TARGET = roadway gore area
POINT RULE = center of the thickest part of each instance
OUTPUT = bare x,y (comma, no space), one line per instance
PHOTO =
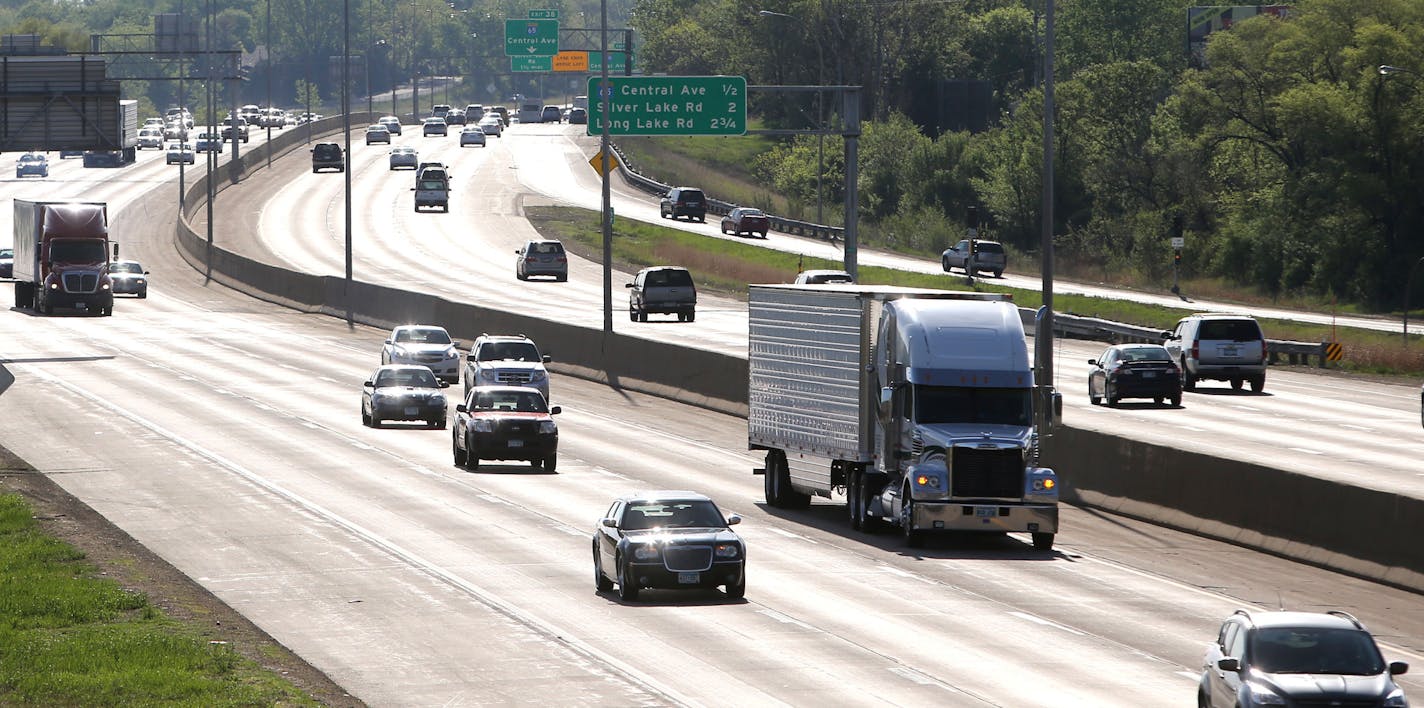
89,617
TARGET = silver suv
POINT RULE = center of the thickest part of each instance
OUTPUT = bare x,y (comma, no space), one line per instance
1297,659
974,257
1218,346
506,360
662,289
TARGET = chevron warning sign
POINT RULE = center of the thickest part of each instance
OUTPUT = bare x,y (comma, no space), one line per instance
1334,351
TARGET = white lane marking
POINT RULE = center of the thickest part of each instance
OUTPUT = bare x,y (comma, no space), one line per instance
1189,675
1352,427
1307,450
570,530
922,679
416,562
1190,429
773,614
907,574
1047,623
494,499
788,534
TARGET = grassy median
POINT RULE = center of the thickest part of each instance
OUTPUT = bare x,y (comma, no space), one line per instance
726,265
71,637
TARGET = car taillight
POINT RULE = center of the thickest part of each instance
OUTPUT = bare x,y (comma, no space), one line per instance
1195,351
561,259
1263,349
530,259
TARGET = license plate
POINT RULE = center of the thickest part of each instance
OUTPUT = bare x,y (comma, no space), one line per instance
1230,351
986,511
516,443
81,306
412,410
1149,374
689,578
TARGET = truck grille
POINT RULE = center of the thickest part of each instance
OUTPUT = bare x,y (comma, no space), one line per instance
987,472
519,427
687,559
514,378
80,282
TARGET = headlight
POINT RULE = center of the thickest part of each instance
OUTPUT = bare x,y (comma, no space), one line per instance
644,553
728,550
105,286
452,352
484,375
399,351
538,375
548,427
1396,699
931,481
139,281
437,399
54,285
481,425
1262,696
1044,485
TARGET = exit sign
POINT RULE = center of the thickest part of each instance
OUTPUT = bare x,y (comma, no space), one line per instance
669,105
531,38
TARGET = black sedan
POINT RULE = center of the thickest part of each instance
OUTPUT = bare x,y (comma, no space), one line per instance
671,540
403,392
1134,371
505,423
128,277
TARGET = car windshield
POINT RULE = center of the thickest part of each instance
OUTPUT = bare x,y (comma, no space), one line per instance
1153,353
1231,330
964,404
669,278
693,513
417,378
77,251
423,335
6,253
521,401
125,268
1312,650
508,351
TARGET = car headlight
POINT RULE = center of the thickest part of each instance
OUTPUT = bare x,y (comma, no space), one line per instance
728,550
1263,696
481,425
538,375
548,427
54,285
139,281
1396,699
484,375
644,553
452,353
437,399
399,351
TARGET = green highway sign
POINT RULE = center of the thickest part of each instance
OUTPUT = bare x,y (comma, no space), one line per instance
531,38
669,105
543,14
617,61
531,63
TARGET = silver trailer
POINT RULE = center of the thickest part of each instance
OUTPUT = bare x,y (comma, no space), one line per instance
917,405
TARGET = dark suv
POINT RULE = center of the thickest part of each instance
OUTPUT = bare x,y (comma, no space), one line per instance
328,155
1297,659
662,289
684,201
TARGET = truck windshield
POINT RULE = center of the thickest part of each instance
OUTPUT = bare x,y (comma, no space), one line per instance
962,404
77,251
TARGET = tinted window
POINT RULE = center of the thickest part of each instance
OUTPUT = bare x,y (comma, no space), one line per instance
669,278
1146,354
327,152
689,195
1232,330
513,351
71,251
1309,650
989,247
125,268
419,378
952,404
547,248
691,513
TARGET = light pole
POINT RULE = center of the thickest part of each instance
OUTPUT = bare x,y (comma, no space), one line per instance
1386,70
820,115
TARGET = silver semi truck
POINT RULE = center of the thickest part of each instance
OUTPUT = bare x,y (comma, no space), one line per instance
919,405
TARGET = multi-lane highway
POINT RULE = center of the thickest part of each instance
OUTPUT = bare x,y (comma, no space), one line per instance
224,434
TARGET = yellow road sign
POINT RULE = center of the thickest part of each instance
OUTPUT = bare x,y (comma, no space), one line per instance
597,162
1334,351
571,61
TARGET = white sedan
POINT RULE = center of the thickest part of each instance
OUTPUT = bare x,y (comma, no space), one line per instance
424,345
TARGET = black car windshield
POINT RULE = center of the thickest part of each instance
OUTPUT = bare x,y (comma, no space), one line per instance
1313,650
419,378
692,513
516,351
423,335
77,251
962,404
529,401
1152,353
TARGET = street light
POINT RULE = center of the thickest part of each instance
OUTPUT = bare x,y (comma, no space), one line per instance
820,115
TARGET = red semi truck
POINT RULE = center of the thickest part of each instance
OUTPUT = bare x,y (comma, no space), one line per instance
62,256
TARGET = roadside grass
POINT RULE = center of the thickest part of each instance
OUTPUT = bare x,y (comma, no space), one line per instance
73,638
719,165
727,266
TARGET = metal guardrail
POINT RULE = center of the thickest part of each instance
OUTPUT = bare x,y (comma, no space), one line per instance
1094,328
832,234
1063,324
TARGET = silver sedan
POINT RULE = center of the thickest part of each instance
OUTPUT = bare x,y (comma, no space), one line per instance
404,156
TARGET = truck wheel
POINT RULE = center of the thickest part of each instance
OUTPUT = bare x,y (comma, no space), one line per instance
855,507
913,538
770,488
1042,541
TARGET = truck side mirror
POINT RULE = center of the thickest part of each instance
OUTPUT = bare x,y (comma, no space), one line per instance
887,401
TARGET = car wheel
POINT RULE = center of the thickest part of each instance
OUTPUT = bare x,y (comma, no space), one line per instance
1042,541
998,274
1110,395
944,263
738,590
536,464
1176,401
907,527
627,588
461,456
642,316
143,295
1236,384
702,219
551,463
520,276
375,420
561,278
691,315
1157,400
763,234
1095,400
365,419
1189,382
601,583
1258,384
632,315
